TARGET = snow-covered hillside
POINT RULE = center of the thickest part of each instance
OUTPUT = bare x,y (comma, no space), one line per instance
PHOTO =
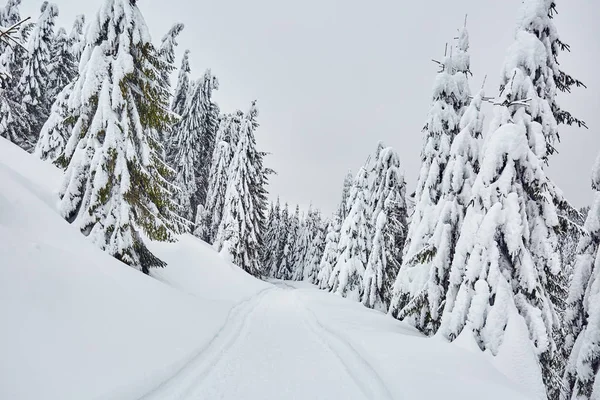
77,324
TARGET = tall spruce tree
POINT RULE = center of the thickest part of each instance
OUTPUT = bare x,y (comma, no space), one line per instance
507,259
114,186
240,232
301,247
35,79
63,66
279,261
330,253
14,122
193,135
183,85
410,300
390,226
77,38
317,249
582,318
270,240
347,276
226,141
288,257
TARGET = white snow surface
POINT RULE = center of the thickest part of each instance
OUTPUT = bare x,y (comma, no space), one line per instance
77,324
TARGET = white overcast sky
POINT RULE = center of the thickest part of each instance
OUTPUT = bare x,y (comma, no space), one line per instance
332,77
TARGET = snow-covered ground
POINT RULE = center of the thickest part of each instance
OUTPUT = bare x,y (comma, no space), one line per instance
77,324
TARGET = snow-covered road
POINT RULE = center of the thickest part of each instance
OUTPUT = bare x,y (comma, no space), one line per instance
273,347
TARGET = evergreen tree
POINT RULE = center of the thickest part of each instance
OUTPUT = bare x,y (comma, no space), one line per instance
347,276
14,123
77,38
315,254
35,79
166,53
330,253
193,135
390,221
301,248
226,141
582,319
507,262
183,85
114,185
279,261
270,240
57,129
344,208
240,232
288,257
63,66
410,298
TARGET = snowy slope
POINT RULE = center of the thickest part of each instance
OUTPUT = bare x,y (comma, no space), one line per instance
76,324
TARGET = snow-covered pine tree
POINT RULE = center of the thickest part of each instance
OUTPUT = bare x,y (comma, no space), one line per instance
270,240
166,53
183,85
507,262
582,318
390,220
35,78
63,66
226,142
301,247
77,38
240,232
14,123
114,187
279,260
409,298
288,257
194,137
344,208
317,249
330,252
347,276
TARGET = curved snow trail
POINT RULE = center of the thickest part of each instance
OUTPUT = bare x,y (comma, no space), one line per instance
198,365
357,366
278,355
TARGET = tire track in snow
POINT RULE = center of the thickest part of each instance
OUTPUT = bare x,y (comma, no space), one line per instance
191,374
365,376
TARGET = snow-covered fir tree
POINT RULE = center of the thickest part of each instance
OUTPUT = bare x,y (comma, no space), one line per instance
347,276
344,208
506,271
240,232
410,289
226,141
35,79
270,239
166,53
278,258
582,318
14,122
193,136
63,66
301,247
330,253
288,256
114,187
182,88
77,37
316,251
390,226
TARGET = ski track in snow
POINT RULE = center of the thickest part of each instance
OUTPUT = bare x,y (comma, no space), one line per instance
361,371
189,381
198,367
